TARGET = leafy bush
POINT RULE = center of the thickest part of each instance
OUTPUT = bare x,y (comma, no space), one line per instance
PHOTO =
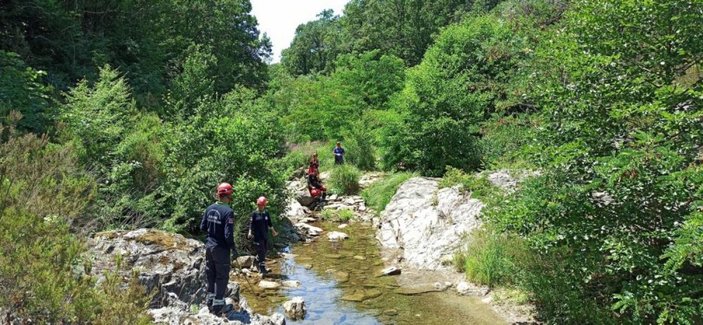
379,194
345,179
621,189
506,140
293,162
441,117
22,90
44,194
358,147
479,185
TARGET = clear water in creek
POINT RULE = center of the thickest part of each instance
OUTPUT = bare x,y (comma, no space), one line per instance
340,286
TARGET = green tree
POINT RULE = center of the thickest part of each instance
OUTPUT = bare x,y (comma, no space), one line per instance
315,46
455,88
621,196
404,28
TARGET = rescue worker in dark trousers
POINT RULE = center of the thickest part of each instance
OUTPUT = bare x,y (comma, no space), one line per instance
258,229
218,221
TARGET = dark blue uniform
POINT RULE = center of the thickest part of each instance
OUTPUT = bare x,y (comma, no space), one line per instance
258,226
338,155
218,221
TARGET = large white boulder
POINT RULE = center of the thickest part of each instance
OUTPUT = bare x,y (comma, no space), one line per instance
426,224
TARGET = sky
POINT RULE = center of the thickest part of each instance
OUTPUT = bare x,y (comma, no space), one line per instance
280,18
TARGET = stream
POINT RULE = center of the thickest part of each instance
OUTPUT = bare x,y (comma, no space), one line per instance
340,286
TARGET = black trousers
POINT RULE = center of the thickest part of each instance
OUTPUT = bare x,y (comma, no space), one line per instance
261,254
217,268
339,160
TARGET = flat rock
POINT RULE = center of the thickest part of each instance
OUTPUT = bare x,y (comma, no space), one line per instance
265,284
308,229
468,289
291,283
246,261
337,236
417,290
339,276
360,295
390,312
392,270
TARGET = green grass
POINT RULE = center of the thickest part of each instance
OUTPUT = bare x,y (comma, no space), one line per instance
344,179
345,215
492,258
341,216
378,195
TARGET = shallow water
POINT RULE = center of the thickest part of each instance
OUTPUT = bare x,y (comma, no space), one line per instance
340,286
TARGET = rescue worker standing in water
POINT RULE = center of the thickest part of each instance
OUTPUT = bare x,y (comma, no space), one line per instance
258,229
218,221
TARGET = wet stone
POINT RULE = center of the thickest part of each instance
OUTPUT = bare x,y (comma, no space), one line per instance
390,312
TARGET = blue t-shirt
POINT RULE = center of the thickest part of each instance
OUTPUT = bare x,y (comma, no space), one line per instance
338,151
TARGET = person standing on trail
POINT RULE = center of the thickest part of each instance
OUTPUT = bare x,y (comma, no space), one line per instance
338,154
218,221
258,229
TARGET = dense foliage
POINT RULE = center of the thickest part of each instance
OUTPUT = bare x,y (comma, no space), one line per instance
404,29
146,40
147,105
44,192
620,201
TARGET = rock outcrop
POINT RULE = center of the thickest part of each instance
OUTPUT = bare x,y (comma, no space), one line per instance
172,267
165,262
425,224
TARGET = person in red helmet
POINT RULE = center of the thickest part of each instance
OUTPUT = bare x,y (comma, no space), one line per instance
315,162
218,222
315,187
258,230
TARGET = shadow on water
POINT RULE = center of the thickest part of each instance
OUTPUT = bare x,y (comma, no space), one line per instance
340,286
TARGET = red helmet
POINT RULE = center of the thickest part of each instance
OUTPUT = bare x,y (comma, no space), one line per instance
224,189
262,201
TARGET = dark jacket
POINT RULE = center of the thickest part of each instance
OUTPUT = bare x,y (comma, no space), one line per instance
259,224
218,221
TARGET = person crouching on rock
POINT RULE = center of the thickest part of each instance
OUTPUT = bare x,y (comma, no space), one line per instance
218,221
258,229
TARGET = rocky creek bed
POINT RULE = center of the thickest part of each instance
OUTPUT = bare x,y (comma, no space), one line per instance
330,273
340,283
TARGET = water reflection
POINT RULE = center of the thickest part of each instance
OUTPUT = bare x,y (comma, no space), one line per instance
322,298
